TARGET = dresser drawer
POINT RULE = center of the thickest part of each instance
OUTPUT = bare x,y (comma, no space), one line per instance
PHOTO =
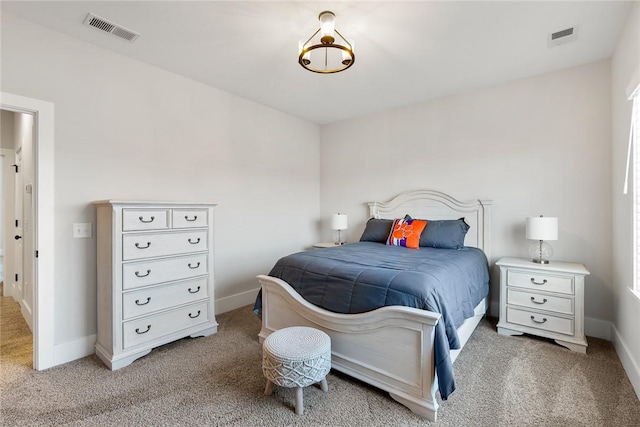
546,322
147,300
189,218
558,304
138,246
144,273
540,281
157,325
145,219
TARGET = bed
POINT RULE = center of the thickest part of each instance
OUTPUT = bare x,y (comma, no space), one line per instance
395,347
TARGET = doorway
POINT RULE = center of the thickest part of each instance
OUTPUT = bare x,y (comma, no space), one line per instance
41,251
16,303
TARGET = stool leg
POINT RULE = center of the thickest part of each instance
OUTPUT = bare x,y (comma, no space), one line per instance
299,401
323,385
268,388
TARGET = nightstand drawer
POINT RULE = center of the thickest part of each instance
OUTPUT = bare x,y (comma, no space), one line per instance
558,304
540,281
546,322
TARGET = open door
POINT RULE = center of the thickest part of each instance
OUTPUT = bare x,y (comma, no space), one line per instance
18,291
41,226
23,235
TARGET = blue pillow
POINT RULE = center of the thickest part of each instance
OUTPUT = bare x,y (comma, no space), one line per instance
444,234
377,230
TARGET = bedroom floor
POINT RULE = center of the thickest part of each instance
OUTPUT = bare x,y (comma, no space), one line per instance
502,381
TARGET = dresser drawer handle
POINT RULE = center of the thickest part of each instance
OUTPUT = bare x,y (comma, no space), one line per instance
194,292
544,319
143,275
193,268
143,303
193,243
193,317
149,244
186,217
143,332
146,221
544,282
533,300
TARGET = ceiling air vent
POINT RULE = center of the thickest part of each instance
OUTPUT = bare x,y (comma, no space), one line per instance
110,27
563,36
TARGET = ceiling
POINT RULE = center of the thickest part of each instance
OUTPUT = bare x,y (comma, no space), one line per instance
406,51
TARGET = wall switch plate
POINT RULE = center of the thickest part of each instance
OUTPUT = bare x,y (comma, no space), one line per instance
82,230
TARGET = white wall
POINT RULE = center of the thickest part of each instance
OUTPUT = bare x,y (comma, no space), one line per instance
128,130
535,146
626,60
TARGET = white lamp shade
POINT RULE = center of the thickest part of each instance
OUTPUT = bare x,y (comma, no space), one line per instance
339,221
542,228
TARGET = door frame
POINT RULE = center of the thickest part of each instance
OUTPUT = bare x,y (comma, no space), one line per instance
43,227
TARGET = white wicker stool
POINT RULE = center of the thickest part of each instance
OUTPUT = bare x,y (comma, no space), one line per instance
296,357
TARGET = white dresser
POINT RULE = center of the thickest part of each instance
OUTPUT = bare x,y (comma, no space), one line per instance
155,276
543,299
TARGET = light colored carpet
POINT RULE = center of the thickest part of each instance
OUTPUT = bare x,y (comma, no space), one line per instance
218,381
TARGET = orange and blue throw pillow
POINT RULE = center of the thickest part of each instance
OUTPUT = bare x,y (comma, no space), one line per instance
406,232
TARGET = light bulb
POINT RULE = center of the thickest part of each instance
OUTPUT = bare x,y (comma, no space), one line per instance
327,27
306,58
347,56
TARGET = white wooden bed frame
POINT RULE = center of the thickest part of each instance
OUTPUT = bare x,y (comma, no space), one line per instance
392,347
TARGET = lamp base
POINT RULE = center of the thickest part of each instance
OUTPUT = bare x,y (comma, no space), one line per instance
540,261
540,252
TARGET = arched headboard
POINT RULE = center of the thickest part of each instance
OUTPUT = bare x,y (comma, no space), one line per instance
434,205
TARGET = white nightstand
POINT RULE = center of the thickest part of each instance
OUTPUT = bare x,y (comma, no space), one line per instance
324,245
543,299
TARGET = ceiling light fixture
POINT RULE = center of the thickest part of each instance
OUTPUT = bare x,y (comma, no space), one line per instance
325,55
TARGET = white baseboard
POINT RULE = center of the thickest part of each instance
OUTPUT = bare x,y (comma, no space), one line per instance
27,315
629,365
74,350
236,301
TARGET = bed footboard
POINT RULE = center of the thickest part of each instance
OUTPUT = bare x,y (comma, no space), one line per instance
390,348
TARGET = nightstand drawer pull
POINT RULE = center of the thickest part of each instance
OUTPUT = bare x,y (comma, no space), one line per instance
142,275
186,217
533,280
146,220
193,242
143,303
533,318
149,244
194,267
194,292
143,332
198,314
533,300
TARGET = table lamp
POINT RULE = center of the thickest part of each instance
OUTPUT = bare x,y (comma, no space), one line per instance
339,223
541,228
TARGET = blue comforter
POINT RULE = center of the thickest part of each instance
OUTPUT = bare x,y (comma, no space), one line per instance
364,276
